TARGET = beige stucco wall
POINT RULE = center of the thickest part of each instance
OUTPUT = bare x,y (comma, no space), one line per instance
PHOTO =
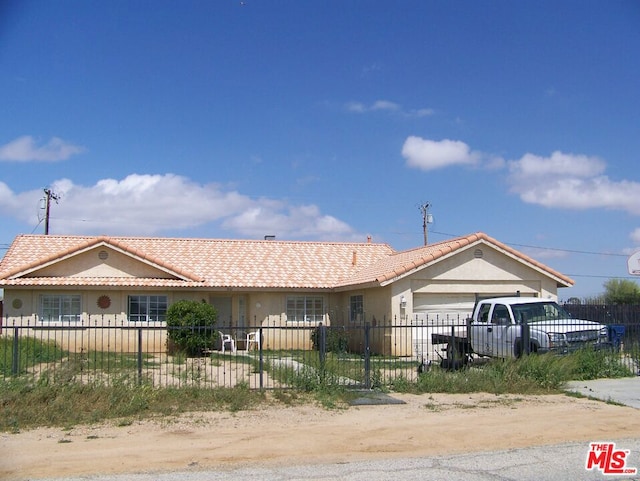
493,274
265,310
91,264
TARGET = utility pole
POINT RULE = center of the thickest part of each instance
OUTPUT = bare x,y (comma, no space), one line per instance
50,195
426,219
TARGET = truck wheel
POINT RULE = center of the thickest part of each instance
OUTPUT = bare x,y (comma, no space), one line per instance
517,350
533,349
456,357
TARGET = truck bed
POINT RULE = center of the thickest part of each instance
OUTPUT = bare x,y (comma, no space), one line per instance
458,333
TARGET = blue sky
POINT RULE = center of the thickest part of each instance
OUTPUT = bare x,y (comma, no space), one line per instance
328,120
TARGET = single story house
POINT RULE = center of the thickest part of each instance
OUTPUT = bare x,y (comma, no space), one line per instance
54,282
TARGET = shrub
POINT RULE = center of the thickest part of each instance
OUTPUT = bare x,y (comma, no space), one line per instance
596,364
337,339
191,326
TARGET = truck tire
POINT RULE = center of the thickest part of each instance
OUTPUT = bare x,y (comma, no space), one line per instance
456,357
518,351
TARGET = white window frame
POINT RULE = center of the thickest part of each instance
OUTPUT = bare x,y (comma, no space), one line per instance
60,309
305,308
151,313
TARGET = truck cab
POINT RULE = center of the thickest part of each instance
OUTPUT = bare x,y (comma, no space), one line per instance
505,327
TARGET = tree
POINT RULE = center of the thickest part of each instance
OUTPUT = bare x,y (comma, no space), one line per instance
191,326
621,291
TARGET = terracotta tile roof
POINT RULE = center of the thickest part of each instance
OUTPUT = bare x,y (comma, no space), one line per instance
199,262
219,263
406,262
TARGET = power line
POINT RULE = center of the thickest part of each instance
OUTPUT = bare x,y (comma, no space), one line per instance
635,278
572,251
557,249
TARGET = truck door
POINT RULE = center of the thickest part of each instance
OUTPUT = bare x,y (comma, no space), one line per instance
500,331
481,339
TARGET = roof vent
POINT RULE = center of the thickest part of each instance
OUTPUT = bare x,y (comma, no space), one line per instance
354,259
269,237
103,255
478,254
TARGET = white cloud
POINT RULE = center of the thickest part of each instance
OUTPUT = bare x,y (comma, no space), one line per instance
561,180
152,204
635,236
25,149
300,222
571,181
387,106
421,112
428,154
378,105
558,164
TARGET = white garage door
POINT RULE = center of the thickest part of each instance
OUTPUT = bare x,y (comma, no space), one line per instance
452,306
435,313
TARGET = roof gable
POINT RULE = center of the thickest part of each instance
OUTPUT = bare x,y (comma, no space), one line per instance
70,256
405,263
101,261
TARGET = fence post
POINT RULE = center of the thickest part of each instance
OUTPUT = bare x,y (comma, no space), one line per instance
322,343
139,355
526,339
261,362
16,352
367,356
322,351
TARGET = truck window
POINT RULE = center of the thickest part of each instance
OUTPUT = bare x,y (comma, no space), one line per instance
538,312
483,313
500,315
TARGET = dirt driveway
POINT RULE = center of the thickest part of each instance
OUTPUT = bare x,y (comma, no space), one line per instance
424,425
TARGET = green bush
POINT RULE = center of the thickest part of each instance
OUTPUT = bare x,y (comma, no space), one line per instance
191,326
596,364
337,339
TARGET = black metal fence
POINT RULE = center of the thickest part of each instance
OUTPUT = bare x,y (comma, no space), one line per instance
257,357
264,357
620,314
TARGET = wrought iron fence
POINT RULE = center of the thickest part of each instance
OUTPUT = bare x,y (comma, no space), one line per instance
257,357
374,354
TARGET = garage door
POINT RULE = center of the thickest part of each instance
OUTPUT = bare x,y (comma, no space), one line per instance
435,313
452,306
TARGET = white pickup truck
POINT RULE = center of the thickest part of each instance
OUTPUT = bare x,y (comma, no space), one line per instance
507,327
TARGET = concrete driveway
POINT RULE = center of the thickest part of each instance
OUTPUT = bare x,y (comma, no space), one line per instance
624,391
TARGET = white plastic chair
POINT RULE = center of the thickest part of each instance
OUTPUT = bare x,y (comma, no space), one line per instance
253,339
227,340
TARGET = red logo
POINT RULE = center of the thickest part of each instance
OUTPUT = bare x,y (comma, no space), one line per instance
608,459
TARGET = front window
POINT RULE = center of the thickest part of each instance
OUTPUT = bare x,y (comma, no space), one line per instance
147,308
61,308
539,311
305,308
483,314
500,315
356,308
